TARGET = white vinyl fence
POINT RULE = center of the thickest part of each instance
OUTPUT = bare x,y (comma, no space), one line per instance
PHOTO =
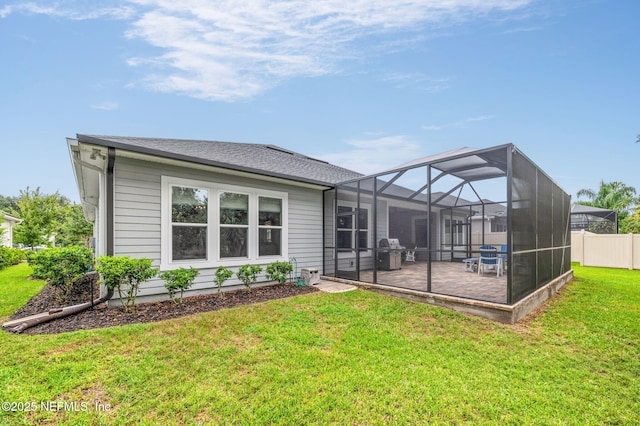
606,250
490,238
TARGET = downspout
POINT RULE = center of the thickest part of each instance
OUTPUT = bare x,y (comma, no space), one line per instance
19,325
110,207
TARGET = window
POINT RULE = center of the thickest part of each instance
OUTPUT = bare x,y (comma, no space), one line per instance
346,227
234,224
454,232
499,224
270,226
206,224
189,223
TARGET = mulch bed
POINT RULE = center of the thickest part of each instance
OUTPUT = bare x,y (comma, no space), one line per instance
101,316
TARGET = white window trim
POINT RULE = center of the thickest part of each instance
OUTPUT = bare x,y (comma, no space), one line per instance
213,234
353,205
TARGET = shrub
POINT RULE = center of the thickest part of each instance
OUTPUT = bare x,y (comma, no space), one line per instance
61,267
278,271
117,272
11,256
179,280
222,274
248,274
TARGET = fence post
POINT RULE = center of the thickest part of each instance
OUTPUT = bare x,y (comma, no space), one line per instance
630,237
582,234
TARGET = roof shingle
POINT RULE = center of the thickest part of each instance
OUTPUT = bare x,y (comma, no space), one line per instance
262,159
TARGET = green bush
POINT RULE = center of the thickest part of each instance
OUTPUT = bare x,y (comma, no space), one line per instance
248,274
11,256
222,274
278,271
179,280
61,267
121,271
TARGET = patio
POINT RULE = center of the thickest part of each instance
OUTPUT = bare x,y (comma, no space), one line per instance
444,209
448,278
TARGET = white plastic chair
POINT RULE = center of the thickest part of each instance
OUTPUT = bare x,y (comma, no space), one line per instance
410,256
489,259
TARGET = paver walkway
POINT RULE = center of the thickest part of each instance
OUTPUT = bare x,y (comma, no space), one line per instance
334,287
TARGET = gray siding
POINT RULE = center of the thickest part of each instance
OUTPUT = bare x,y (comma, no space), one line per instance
137,218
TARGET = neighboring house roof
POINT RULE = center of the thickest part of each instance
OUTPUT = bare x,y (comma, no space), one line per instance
6,223
492,209
8,218
578,209
268,160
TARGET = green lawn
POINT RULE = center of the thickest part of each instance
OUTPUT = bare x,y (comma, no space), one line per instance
350,358
16,289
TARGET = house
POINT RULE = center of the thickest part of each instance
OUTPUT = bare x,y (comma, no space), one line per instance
7,223
208,204
202,203
593,219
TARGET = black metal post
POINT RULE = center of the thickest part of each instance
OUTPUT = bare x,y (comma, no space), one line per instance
429,248
374,237
510,267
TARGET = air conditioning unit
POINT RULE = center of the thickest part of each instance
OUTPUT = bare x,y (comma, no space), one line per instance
310,276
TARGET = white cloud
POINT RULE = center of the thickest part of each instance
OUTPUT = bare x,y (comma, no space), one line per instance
459,123
370,156
229,50
418,81
71,9
107,106
522,30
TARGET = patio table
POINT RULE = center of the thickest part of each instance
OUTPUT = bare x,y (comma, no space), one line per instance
470,264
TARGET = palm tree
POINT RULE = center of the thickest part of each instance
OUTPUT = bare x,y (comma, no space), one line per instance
612,196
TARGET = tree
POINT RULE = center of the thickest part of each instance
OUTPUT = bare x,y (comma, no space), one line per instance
631,224
8,204
74,228
39,213
612,196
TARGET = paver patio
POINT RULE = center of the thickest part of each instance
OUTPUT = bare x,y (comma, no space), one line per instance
448,278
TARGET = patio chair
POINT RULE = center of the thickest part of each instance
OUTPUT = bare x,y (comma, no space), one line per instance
489,259
410,254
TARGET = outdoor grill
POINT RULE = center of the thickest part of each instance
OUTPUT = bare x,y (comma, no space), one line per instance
390,254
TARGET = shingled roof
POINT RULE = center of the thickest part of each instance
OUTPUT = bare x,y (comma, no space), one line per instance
268,160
